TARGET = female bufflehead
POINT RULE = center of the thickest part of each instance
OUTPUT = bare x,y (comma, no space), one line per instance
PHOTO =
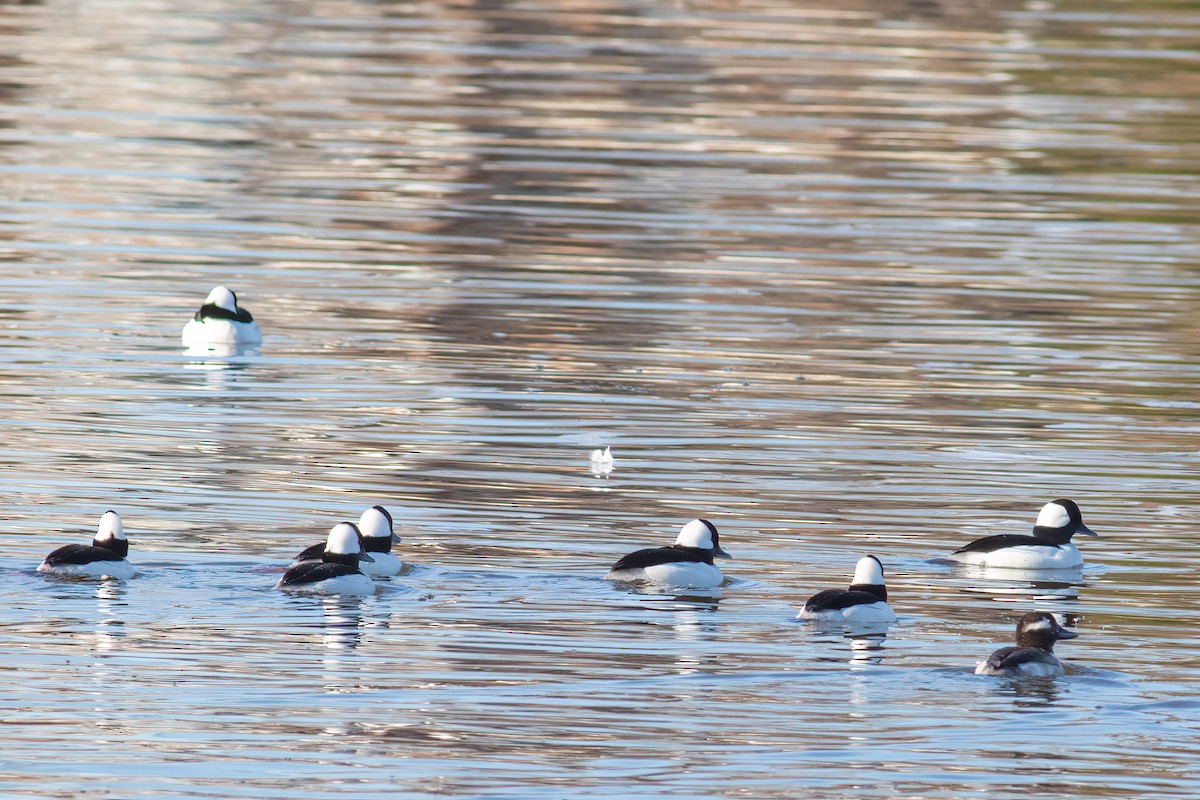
337,572
220,321
687,564
103,558
1048,548
1033,656
375,540
864,603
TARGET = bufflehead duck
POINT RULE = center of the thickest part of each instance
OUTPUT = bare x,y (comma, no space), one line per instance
103,558
687,564
1033,656
864,603
375,525
1048,548
337,572
221,321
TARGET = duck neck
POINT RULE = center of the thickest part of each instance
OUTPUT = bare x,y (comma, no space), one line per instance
349,559
877,589
1042,640
118,546
377,544
705,554
1059,536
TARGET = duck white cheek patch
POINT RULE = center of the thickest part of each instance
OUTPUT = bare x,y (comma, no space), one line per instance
1053,516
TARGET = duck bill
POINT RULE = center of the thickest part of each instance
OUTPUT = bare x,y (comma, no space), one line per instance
720,553
1086,531
1063,633
364,557
396,537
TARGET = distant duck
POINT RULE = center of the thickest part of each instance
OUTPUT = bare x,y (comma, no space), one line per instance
602,462
864,603
103,558
687,564
1048,548
337,572
375,527
1033,656
220,321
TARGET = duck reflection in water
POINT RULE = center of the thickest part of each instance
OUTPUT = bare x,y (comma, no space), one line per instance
868,648
1034,693
694,624
1003,584
220,364
343,624
110,628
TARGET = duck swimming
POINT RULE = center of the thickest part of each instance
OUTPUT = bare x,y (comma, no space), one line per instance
687,564
1033,655
103,558
865,602
221,321
1049,547
375,539
338,570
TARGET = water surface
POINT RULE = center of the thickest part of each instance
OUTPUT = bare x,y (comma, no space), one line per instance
875,278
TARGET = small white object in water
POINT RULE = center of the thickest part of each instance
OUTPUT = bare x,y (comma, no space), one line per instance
602,461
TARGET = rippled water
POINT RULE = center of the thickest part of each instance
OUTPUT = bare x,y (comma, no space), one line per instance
869,277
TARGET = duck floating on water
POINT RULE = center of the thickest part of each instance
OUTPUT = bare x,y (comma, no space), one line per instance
864,603
220,321
338,570
687,564
1049,547
105,557
1033,655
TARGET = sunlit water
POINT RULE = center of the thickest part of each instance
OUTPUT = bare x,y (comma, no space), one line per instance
878,277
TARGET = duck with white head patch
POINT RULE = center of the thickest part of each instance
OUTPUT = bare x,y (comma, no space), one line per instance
378,536
221,321
1049,547
687,564
1033,656
103,558
338,570
864,603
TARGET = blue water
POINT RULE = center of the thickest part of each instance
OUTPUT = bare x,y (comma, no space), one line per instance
875,278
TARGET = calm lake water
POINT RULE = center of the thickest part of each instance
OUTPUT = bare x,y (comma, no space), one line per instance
866,277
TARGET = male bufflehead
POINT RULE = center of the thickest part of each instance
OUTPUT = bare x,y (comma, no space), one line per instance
687,564
375,539
1033,656
337,572
221,321
1048,548
864,603
103,558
